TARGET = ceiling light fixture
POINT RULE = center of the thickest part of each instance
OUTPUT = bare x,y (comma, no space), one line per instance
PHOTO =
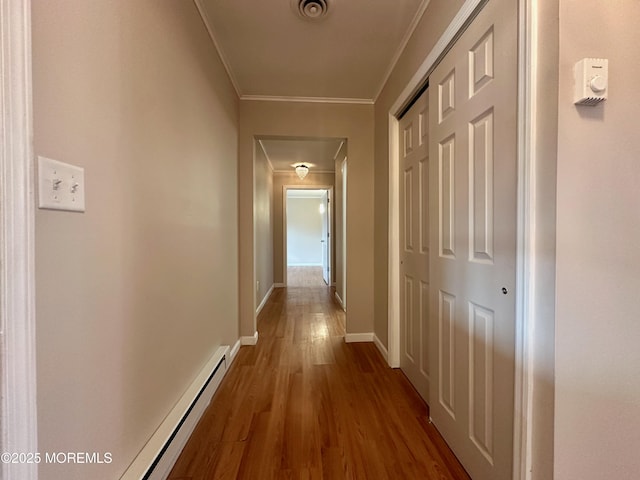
301,170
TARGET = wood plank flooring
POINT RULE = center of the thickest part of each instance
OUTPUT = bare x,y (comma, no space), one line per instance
302,404
305,277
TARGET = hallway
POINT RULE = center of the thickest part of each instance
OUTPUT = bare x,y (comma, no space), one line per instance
304,404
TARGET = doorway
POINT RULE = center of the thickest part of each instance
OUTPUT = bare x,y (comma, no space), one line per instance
307,234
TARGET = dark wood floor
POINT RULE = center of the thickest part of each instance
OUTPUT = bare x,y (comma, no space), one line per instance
302,404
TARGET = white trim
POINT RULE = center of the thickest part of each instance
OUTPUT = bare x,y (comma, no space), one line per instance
18,410
232,352
526,257
526,276
335,294
264,300
250,340
358,337
403,43
266,155
160,453
381,348
274,98
279,285
338,151
393,263
207,23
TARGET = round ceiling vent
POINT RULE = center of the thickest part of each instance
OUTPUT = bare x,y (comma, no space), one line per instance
313,9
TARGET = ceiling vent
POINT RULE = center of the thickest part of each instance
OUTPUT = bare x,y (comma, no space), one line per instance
312,9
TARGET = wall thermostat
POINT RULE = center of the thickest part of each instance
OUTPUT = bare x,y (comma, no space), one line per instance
591,81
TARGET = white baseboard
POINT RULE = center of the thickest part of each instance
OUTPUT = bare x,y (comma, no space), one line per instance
381,348
339,301
279,285
232,352
156,459
358,337
252,340
264,300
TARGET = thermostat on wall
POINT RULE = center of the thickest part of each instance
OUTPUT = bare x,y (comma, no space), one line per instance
591,79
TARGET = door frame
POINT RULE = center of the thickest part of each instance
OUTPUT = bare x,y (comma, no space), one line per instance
529,259
18,412
285,188
327,219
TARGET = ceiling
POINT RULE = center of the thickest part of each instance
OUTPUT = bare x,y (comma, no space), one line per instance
317,153
269,50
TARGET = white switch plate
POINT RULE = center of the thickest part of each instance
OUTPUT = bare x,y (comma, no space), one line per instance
60,185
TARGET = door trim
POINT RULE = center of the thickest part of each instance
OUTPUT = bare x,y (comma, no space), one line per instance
527,254
18,412
285,188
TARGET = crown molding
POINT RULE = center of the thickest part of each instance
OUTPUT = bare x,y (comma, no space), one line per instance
338,151
207,23
412,27
266,155
274,98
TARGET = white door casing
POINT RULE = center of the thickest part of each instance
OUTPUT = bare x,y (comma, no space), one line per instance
326,238
18,410
414,244
473,130
344,233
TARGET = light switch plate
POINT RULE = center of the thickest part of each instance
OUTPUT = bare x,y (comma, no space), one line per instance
60,185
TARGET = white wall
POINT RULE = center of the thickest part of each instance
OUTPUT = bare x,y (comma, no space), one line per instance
597,408
136,294
304,231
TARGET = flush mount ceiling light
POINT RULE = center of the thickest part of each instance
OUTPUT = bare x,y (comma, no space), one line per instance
301,170
311,9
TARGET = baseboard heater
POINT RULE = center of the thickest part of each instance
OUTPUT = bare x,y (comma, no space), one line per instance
158,456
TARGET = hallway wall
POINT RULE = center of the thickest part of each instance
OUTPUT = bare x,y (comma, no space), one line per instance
597,432
134,295
353,122
263,209
338,222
